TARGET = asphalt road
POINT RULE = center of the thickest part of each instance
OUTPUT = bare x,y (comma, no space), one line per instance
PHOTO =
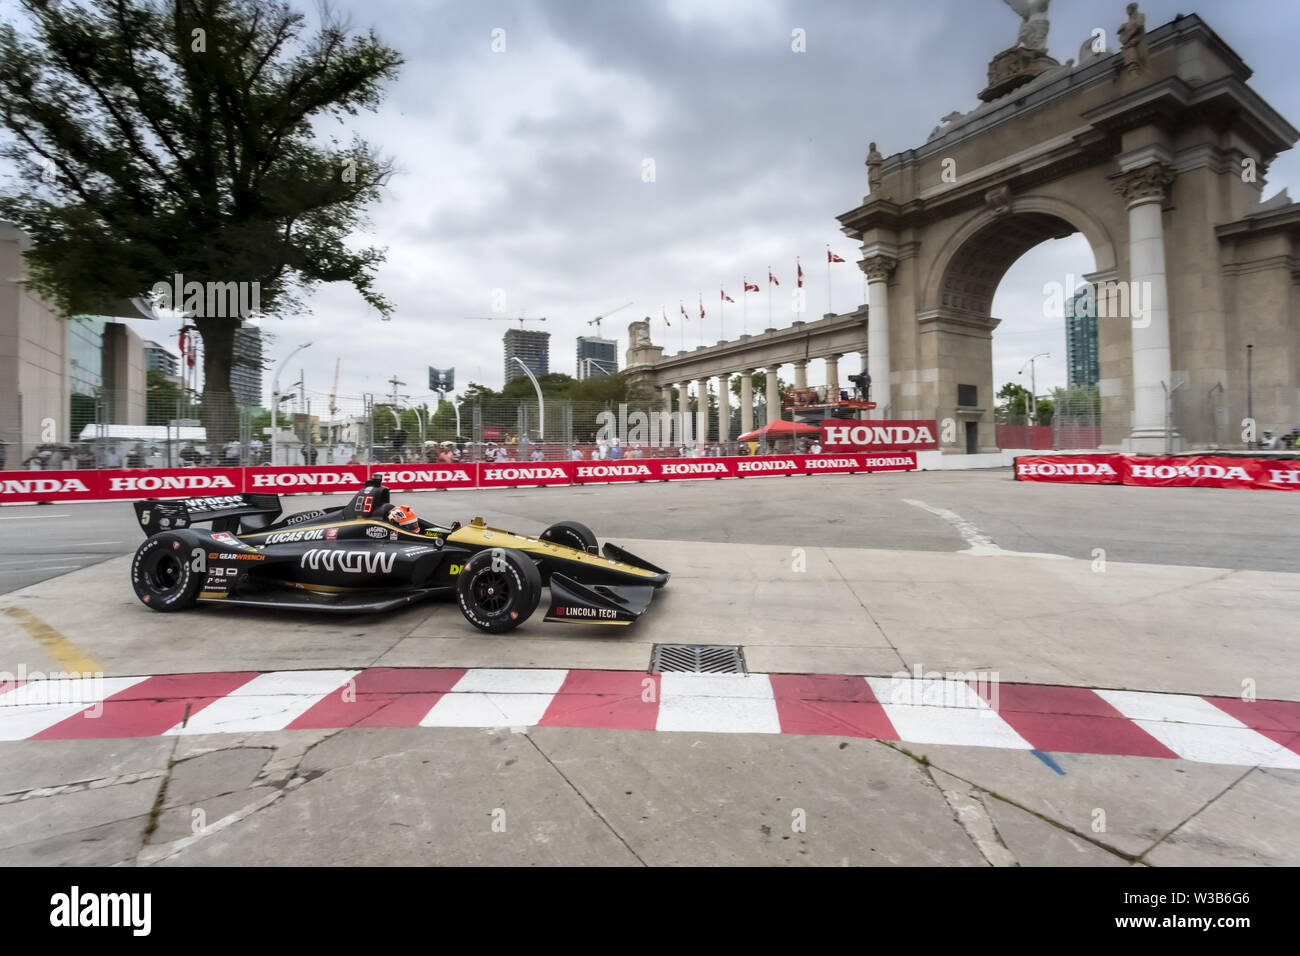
1241,530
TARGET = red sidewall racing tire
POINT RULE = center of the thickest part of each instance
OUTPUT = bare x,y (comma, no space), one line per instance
163,571
498,589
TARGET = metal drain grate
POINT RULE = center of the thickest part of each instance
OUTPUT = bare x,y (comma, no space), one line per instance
698,658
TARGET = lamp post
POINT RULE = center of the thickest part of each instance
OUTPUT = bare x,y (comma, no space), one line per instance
1033,383
275,395
1250,397
541,408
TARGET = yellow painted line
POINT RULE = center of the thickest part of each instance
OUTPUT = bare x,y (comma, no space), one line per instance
69,656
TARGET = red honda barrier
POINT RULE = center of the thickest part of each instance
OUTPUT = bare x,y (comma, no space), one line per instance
25,487
1205,471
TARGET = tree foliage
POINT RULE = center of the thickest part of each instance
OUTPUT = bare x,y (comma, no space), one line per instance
156,138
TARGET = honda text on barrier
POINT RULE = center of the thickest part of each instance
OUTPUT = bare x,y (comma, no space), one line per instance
372,555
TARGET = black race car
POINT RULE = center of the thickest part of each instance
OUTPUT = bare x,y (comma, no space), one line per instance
372,555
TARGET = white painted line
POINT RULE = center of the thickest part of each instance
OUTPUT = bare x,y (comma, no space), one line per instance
487,710
980,544
29,567
32,517
27,710
490,680
943,712
717,703
1197,730
269,701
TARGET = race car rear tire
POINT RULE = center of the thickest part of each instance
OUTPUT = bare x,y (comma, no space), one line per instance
168,571
572,534
498,589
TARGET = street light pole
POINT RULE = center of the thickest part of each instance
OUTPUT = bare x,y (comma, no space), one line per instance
541,408
1250,397
1033,383
275,395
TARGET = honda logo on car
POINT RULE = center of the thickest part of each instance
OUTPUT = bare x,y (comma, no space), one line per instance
889,435
350,562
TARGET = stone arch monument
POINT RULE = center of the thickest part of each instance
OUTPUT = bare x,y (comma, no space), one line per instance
1155,148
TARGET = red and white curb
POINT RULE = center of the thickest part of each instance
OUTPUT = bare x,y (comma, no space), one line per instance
1038,717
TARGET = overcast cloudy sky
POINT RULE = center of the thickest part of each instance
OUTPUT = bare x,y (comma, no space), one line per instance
522,170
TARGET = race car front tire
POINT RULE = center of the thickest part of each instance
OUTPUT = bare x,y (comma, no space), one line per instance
498,589
169,570
572,534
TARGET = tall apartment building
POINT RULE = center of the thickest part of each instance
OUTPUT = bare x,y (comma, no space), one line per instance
246,368
158,359
596,357
1082,360
531,348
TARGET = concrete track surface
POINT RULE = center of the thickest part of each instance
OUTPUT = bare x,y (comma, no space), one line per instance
1151,600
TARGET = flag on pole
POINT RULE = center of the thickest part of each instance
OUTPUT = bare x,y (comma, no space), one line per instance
725,297
683,308
798,269
664,313
771,279
751,286
701,295
832,257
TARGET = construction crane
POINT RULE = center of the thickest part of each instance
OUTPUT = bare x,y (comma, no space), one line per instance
519,318
600,318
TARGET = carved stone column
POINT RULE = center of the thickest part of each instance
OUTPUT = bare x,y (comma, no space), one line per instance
684,415
832,378
666,426
746,401
877,269
724,408
1145,189
801,373
773,395
702,411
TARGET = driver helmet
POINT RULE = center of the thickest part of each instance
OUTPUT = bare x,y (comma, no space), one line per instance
404,517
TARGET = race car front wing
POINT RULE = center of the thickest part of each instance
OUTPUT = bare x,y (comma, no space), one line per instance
574,603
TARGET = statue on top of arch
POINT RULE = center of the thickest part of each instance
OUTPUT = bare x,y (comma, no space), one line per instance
1033,25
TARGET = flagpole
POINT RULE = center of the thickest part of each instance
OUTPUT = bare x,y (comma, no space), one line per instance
769,297
828,278
744,305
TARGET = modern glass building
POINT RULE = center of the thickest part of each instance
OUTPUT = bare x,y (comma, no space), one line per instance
596,357
246,369
531,348
1083,366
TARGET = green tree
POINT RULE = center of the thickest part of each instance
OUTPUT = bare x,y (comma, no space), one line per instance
156,139
166,400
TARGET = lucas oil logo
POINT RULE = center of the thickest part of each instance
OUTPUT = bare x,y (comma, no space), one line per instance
349,562
306,534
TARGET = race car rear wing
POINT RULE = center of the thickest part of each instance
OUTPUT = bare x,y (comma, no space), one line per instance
226,512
